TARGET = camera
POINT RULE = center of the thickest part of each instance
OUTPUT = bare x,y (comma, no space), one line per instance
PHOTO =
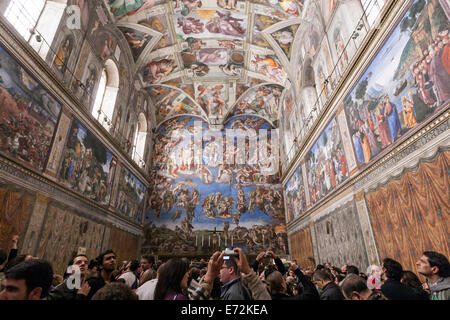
229,253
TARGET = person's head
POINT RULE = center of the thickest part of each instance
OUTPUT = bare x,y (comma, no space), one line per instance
355,288
93,266
19,259
433,264
28,280
147,262
410,279
107,261
172,278
352,269
133,265
115,291
276,283
229,271
391,269
321,278
82,262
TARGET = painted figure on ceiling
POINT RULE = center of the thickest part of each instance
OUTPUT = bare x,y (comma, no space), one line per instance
156,70
190,25
62,58
121,8
188,6
226,24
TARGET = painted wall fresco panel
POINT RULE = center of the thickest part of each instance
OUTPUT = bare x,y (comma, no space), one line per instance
130,202
326,163
406,83
28,115
87,167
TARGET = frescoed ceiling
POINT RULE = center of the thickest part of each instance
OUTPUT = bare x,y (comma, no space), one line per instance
211,58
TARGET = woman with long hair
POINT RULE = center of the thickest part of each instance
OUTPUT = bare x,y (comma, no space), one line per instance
173,280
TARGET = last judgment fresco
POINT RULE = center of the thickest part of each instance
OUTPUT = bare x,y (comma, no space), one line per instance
197,206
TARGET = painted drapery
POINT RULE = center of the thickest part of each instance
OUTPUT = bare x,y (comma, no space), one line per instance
410,215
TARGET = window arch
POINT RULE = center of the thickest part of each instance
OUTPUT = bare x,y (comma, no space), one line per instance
106,96
36,21
140,138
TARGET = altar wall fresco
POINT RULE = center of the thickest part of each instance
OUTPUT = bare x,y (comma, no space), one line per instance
242,202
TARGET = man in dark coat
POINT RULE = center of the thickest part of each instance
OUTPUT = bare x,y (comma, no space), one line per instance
232,287
392,288
107,264
71,288
329,290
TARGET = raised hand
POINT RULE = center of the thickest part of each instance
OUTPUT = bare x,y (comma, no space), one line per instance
242,262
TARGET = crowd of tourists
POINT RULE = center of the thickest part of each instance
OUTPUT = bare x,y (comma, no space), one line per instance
227,275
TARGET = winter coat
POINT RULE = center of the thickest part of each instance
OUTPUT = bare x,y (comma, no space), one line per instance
331,292
395,290
441,289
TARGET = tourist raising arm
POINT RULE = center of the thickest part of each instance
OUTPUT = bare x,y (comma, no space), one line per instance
250,278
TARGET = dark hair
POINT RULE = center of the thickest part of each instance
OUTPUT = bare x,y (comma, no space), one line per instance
410,279
320,267
3,256
393,269
436,259
92,264
170,277
115,291
352,283
149,258
76,256
194,273
134,265
352,269
322,275
14,262
232,263
36,273
102,255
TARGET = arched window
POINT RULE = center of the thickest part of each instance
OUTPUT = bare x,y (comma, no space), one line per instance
105,99
36,20
140,138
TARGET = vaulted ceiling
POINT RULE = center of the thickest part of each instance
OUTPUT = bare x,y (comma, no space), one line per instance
212,58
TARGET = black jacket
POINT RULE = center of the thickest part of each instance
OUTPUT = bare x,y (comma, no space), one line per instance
331,292
96,283
235,290
309,289
395,290
62,292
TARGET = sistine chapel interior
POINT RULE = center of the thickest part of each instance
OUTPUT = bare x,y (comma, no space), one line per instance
317,129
